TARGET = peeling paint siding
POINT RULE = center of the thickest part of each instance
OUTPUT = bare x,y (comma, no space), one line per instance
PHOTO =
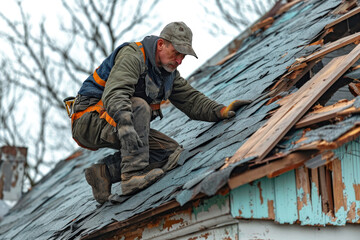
204,214
285,198
318,217
349,154
252,200
280,193
291,203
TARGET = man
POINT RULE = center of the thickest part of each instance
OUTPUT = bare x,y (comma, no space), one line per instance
116,103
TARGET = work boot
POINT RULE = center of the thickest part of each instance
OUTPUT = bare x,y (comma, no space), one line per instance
140,180
98,178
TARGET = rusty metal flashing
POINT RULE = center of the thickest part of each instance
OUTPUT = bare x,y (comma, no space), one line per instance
171,220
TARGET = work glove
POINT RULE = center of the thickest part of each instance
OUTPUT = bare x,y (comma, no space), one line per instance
129,138
229,111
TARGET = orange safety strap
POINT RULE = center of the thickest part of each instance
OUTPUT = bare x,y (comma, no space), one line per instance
98,107
98,79
155,106
101,82
142,49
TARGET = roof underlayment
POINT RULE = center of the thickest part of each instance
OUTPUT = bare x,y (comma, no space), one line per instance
284,65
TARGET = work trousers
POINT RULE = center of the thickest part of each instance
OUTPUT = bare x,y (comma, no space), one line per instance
159,150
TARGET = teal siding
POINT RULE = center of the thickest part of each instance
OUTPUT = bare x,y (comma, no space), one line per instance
349,154
260,194
256,199
280,199
285,198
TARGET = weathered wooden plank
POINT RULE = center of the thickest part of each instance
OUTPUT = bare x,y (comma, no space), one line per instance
327,113
345,6
325,192
290,79
287,6
263,24
274,168
318,217
303,196
263,140
340,205
330,47
344,17
350,169
354,89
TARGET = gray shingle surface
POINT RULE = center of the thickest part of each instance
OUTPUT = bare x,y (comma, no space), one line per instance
61,206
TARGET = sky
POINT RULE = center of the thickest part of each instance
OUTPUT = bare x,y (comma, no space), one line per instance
189,11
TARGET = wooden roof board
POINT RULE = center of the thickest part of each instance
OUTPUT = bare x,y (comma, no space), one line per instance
261,142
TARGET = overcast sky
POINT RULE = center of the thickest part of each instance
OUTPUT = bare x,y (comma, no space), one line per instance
189,11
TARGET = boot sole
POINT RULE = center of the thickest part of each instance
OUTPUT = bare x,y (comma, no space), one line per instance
137,183
100,193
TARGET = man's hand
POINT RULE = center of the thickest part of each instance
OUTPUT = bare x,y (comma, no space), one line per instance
129,138
229,111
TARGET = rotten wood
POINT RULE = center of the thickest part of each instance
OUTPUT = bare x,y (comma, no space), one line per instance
287,163
287,6
330,47
347,137
326,113
226,58
324,145
325,191
338,186
354,89
302,182
315,179
263,24
344,17
288,80
344,7
355,68
265,138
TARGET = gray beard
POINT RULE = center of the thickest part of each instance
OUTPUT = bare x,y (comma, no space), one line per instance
166,68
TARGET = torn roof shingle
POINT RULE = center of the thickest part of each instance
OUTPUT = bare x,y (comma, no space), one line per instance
61,206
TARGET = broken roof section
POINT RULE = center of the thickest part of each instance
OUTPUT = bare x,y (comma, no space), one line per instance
274,68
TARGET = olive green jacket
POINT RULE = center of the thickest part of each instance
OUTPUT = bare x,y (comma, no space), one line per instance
120,87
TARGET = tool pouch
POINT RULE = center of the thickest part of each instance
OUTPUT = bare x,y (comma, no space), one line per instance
69,105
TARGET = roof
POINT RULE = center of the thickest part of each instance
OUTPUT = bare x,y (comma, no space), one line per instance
277,66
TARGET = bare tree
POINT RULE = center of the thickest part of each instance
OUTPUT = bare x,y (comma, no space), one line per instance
45,64
238,14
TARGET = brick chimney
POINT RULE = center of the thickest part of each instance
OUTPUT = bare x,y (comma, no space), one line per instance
12,166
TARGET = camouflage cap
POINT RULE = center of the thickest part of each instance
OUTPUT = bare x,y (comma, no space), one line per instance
180,36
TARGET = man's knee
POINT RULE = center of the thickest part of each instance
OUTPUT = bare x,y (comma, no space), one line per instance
140,106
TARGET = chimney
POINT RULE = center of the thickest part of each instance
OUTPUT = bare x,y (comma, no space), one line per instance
12,166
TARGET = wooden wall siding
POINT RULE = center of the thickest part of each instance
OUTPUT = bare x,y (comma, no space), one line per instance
349,154
328,195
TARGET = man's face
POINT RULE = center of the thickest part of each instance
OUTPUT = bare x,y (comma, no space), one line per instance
168,57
